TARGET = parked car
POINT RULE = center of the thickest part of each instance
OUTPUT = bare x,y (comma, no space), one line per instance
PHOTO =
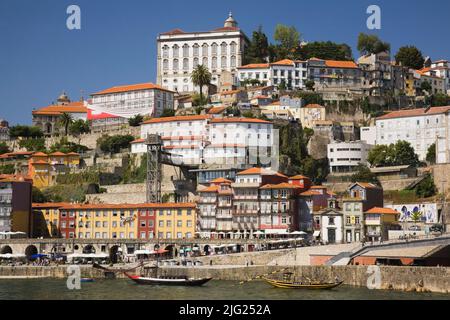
414,228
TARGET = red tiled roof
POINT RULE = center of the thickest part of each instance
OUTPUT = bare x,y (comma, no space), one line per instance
298,177
73,107
58,154
133,87
255,66
261,171
50,205
341,64
177,118
377,210
216,110
173,32
39,154
230,92
285,62
127,206
137,141
221,180
210,189
241,120
283,185
414,113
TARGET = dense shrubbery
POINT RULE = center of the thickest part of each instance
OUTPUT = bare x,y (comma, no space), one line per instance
398,154
113,144
33,145
65,146
133,173
78,127
136,120
426,188
363,174
7,169
65,193
25,132
4,148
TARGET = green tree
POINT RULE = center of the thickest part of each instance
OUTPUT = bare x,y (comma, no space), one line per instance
310,85
79,126
7,169
363,174
282,86
198,101
426,188
440,100
113,144
426,87
287,40
404,154
66,120
398,154
4,148
167,113
201,77
371,44
248,114
410,56
38,196
326,51
258,49
25,132
431,154
33,144
65,146
136,120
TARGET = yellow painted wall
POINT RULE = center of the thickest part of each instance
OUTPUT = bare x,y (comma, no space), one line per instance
175,223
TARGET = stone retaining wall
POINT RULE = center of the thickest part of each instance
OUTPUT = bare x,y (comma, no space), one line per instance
420,279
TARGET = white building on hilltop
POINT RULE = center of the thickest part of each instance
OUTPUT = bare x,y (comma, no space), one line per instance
180,52
203,139
420,127
114,106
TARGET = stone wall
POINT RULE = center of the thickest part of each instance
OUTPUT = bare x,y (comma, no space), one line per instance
420,279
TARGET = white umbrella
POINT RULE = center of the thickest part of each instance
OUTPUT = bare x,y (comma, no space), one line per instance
258,233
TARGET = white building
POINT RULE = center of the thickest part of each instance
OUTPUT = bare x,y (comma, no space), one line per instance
117,104
420,127
346,156
441,70
203,139
369,135
292,73
180,52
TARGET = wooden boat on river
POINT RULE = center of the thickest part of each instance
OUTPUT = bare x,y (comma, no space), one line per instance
169,281
288,282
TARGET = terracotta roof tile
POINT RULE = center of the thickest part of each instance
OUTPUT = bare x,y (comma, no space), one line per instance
414,113
255,66
73,107
128,206
376,210
133,87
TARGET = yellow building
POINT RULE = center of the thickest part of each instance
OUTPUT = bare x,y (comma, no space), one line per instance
176,221
46,219
44,169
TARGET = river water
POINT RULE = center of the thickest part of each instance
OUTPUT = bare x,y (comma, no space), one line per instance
121,289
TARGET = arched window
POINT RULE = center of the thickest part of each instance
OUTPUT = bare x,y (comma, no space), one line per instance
185,50
195,62
214,48
175,64
176,50
165,65
204,49
214,63
185,64
233,47
165,51
223,62
223,48
205,61
196,49
233,61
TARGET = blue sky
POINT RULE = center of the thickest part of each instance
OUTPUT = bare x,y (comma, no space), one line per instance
40,57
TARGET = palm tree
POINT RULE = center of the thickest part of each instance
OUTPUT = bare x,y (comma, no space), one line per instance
66,120
201,77
416,216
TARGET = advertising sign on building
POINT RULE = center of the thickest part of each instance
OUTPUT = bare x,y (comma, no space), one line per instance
423,212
